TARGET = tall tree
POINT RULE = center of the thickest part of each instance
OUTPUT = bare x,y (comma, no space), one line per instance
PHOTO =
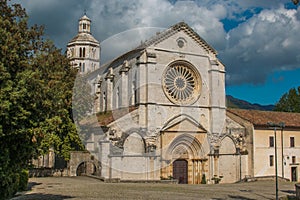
290,101
36,85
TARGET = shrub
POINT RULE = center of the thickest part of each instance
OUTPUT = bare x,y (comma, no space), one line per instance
11,182
203,180
9,185
23,180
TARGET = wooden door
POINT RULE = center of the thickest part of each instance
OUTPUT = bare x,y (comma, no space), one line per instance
294,174
180,171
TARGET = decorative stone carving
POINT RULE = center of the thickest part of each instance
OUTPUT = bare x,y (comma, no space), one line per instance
181,42
150,143
181,83
110,75
125,67
153,132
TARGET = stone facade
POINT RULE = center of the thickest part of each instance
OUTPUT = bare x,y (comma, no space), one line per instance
176,84
260,142
162,115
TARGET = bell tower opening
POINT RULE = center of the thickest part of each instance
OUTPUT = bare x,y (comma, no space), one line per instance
84,24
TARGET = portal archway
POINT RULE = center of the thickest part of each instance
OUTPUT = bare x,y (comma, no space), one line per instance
86,168
187,162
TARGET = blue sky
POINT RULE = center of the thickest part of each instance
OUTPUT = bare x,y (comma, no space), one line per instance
258,41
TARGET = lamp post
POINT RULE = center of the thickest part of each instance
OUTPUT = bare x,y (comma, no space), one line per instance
275,126
282,156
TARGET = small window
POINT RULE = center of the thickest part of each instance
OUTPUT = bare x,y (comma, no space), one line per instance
292,141
271,160
83,67
84,26
293,159
271,141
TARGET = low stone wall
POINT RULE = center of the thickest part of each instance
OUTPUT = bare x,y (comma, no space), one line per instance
41,172
174,181
47,172
117,180
268,178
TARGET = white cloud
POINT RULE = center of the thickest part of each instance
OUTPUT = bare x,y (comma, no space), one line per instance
113,17
265,43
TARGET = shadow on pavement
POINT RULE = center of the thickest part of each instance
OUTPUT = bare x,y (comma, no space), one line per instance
234,197
40,196
289,191
32,184
239,197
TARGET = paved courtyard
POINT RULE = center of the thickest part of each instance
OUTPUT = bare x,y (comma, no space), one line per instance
60,188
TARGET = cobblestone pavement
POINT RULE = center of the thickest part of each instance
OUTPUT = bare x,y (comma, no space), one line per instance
59,188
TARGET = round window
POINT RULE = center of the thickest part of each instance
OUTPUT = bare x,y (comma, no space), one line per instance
181,83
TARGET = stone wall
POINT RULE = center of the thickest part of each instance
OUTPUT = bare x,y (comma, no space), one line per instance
84,160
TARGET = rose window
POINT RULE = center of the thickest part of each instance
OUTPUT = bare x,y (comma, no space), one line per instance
181,83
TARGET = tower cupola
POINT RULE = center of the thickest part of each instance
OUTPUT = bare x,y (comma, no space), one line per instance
84,25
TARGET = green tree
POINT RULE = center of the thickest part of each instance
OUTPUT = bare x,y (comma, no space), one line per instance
36,85
290,101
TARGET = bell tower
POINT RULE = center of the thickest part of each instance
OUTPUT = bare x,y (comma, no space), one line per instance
84,50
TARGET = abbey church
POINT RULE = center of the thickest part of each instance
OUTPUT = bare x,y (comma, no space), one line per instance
161,114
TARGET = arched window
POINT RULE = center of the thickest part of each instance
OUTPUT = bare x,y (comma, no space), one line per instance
135,89
104,101
80,52
80,69
118,100
94,53
83,52
84,26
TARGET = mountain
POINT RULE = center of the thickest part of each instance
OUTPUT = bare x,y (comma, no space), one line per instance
232,102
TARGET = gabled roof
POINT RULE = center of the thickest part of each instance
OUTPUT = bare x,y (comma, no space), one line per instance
181,26
261,118
162,36
84,17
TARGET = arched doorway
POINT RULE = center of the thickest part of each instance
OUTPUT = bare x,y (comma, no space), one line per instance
180,171
86,168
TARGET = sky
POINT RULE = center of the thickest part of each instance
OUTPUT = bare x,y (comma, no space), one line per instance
257,41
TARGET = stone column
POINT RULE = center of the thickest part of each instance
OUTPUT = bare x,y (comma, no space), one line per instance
109,89
124,85
217,99
142,87
104,158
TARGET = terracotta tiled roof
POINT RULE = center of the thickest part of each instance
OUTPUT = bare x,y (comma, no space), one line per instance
108,117
261,118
